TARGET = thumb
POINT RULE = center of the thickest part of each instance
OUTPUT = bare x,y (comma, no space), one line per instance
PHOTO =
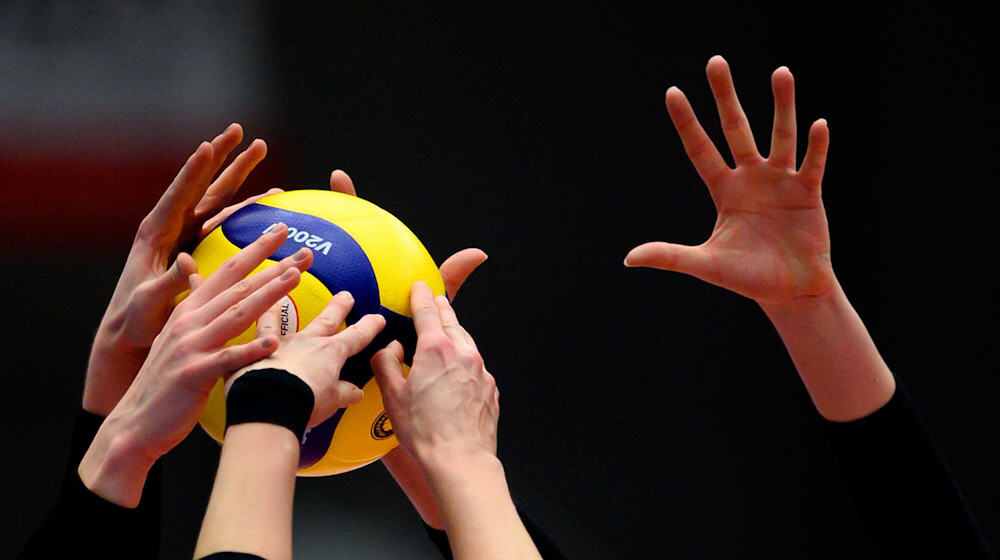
387,365
669,256
455,270
174,280
348,393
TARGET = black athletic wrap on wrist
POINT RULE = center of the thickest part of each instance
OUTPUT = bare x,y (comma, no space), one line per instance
273,396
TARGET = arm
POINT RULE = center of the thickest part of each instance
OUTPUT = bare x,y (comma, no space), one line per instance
771,244
445,414
251,505
162,405
138,310
405,470
250,509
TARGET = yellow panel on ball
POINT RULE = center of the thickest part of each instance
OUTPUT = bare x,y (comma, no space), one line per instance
357,247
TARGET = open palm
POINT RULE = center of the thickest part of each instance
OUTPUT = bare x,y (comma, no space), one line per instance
770,242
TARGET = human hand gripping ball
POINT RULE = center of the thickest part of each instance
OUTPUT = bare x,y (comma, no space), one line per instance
449,402
186,359
317,353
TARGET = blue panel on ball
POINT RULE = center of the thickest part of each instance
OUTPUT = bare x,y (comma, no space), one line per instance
338,261
318,440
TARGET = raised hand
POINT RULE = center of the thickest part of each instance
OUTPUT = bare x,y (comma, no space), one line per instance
317,353
445,414
144,296
448,400
770,242
163,403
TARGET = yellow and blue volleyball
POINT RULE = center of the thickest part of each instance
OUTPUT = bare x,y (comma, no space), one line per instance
357,247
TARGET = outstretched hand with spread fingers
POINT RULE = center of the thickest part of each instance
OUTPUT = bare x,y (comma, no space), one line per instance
771,241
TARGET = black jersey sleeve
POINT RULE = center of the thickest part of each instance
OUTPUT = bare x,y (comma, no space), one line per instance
80,524
902,486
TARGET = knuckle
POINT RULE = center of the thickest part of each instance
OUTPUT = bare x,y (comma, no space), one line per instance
237,312
426,307
230,264
440,343
147,229
242,287
325,323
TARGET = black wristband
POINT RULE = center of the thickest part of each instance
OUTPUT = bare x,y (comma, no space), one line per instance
273,396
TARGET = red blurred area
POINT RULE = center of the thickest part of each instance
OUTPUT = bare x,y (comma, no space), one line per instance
62,203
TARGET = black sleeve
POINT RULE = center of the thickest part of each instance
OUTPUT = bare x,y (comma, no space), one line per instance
543,542
82,525
902,486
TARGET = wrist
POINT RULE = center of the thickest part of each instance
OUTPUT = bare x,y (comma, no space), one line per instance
115,465
110,371
834,355
444,464
806,307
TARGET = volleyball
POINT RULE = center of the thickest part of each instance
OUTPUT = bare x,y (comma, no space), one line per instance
357,247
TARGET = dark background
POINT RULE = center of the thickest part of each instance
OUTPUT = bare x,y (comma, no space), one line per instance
644,413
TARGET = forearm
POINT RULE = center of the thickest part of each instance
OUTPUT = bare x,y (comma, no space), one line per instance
834,355
410,478
478,513
250,509
114,467
110,372
78,513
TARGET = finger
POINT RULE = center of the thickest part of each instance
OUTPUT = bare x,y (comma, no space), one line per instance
188,186
426,318
695,261
455,270
224,143
348,393
814,164
356,337
735,125
387,366
217,219
225,186
449,322
783,134
342,183
301,260
701,151
239,265
332,317
195,280
245,311
267,324
172,282
230,359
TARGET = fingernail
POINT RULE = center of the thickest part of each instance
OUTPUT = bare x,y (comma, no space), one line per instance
301,254
267,342
356,396
345,295
278,229
289,274
440,299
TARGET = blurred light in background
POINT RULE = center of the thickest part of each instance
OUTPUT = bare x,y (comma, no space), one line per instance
101,104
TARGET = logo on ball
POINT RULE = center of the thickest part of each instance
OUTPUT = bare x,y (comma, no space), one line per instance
380,430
